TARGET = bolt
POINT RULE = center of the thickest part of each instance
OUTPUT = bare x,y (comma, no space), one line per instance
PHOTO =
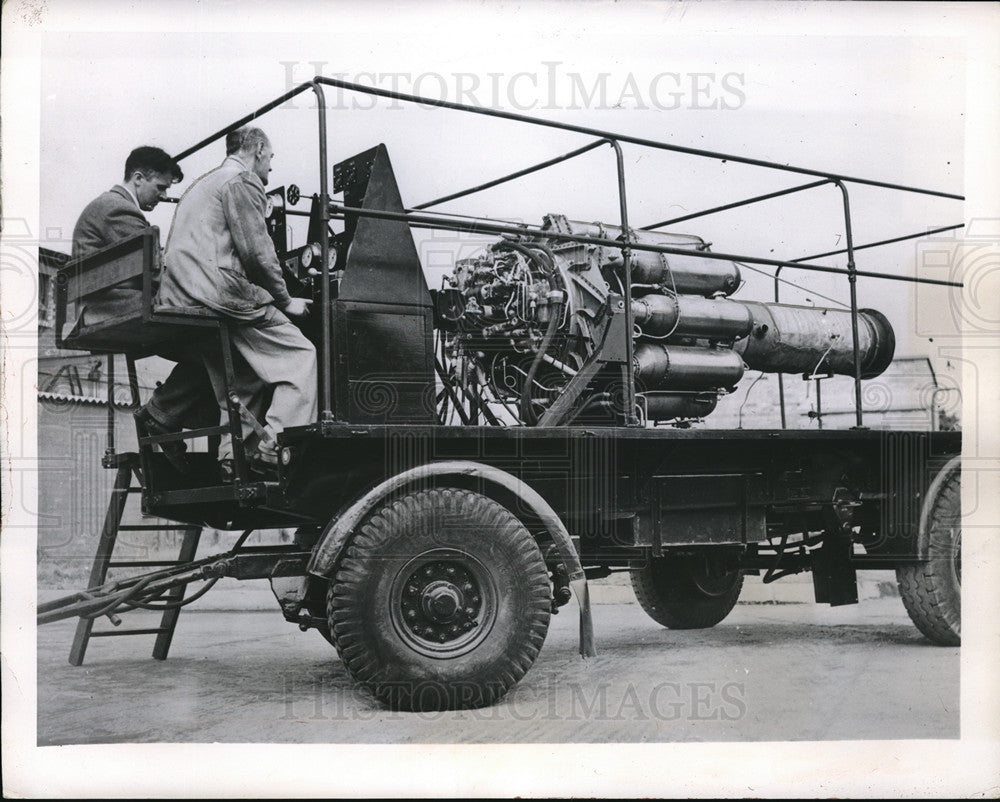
450,570
442,637
469,611
428,571
467,587
412,590
411,614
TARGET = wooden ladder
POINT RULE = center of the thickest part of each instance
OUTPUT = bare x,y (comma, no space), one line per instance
127,469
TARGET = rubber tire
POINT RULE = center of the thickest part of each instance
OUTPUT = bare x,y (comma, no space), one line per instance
932,591
666,588
360,599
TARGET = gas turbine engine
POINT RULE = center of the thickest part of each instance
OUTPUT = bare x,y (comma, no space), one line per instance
530,322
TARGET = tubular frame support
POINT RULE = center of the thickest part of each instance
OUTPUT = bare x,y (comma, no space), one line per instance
326,384
629,401
597,132
624,244
511,176
487,227
890,241
852,278
736,205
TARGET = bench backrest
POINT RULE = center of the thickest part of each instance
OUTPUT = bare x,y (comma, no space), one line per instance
137,327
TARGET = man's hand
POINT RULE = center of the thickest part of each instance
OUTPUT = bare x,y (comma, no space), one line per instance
297,307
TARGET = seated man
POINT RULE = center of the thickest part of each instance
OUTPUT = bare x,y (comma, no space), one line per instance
186,398
219,256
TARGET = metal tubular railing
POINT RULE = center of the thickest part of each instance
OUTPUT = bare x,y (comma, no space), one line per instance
625,244
512,176
915,235
852,279
629,400
726,207
417,220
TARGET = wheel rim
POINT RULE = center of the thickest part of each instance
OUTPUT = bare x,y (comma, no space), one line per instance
956,557
711,584
443,603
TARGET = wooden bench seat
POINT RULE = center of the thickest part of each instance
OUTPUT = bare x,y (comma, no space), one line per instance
142,328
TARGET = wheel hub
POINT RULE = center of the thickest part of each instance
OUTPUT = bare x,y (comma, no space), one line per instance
443,602
440,601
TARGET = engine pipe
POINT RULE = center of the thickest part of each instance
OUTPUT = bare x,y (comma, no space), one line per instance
691,316
664,406
683,367
806,339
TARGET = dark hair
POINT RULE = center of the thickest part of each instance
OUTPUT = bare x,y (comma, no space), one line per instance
153,159
244,139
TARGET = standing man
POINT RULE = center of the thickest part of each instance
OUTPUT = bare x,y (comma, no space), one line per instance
186,398
219,256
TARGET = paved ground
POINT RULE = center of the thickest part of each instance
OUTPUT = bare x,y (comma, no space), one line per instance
769,672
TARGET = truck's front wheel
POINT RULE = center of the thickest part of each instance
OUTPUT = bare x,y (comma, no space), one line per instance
686,591
441,602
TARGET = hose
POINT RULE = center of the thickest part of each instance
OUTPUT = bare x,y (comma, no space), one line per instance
527,413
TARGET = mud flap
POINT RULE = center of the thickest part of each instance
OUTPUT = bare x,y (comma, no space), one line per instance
835,579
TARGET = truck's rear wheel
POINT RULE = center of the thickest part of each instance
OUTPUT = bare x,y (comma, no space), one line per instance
441,602
932,590
686,592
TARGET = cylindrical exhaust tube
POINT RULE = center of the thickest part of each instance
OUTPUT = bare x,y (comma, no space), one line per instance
692,275
664,406
691,316
681,367
806,339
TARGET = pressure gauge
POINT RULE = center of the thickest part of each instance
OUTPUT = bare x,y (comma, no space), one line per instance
310,253
269,206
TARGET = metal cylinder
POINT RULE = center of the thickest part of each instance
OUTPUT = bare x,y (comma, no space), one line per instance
691,316
664,406
692,274
681,367
806,339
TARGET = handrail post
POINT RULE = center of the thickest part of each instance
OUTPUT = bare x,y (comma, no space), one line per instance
781,376
852,279
326,407
629,399
109,448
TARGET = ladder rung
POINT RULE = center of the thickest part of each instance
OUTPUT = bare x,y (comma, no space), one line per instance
141,563
115,633
153,528
190,434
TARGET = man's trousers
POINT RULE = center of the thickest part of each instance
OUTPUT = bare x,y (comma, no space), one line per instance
272,360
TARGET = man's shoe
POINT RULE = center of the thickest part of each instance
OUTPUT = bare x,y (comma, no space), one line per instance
173,451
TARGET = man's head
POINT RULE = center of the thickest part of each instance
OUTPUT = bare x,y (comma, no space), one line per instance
149,172
253,148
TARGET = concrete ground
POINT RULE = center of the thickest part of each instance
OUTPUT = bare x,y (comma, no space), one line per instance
768,672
